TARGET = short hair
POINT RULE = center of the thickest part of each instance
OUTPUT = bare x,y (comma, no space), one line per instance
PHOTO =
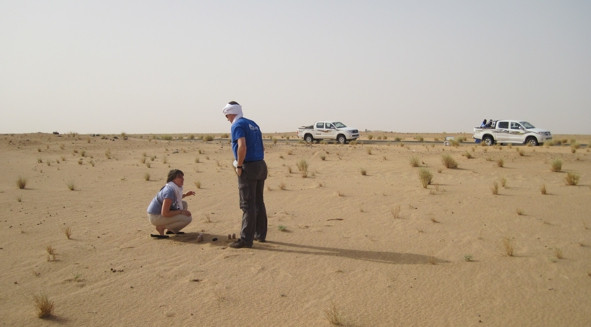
233,102
174,174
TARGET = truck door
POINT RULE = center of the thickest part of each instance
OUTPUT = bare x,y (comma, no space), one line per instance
331,130
502,132
319,130
516,132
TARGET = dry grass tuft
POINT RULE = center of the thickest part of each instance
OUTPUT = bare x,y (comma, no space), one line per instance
572,179
44,306
303,168
449,162
425,177
51,254
508,245
556,165
21,182
363,172
68,232
395,212
543,189
414,162
558,253
501,163
147,177
71,186
333,315
495,188
519,212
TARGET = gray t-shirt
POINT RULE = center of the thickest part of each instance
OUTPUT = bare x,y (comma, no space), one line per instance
155,207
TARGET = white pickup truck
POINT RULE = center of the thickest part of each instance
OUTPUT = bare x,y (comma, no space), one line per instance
511,131
328,130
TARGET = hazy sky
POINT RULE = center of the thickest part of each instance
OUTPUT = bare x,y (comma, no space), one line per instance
151,66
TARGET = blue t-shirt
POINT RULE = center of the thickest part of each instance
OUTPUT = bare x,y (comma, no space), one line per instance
155,207
254,139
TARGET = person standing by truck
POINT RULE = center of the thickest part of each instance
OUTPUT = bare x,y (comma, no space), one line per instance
251,169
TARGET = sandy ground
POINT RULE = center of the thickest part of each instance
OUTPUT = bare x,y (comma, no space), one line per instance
358,241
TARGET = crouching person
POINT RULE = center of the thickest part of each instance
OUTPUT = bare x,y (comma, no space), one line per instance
168,211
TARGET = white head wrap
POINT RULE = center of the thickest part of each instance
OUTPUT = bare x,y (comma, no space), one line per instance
233,109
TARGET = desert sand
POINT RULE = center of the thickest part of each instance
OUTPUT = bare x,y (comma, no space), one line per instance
358,241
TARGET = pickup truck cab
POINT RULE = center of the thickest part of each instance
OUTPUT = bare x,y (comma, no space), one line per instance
511,131
328,130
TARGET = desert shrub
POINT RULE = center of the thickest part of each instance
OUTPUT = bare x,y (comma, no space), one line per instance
495,188
543,189
572,179
501,163
509,251
44,306
556,165
448,161
414,161
21,182
425,177
303,167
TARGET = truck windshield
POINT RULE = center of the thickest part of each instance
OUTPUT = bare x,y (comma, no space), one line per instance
338,124
527,125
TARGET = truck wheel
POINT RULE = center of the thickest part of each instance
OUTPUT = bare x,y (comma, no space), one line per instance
488,140
531,141
341,139
308,138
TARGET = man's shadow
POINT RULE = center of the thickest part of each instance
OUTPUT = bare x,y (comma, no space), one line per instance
373,256
275,246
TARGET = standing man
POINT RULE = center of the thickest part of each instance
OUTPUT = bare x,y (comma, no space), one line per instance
250,166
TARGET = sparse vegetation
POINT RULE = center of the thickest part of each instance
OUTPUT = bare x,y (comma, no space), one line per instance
556,165
414,161
363,172
71,186
51,253
425,177
68,232
44,306
508,245
395,212
147,177
303,168
449,162
543,189
572,178
558,253
282,228
501,163
21,182
495,188
333,316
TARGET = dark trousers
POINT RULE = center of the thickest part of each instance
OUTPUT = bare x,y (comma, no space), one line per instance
251,185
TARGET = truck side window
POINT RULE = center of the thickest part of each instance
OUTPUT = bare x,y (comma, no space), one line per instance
329,126
319,125
515,125
503,124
